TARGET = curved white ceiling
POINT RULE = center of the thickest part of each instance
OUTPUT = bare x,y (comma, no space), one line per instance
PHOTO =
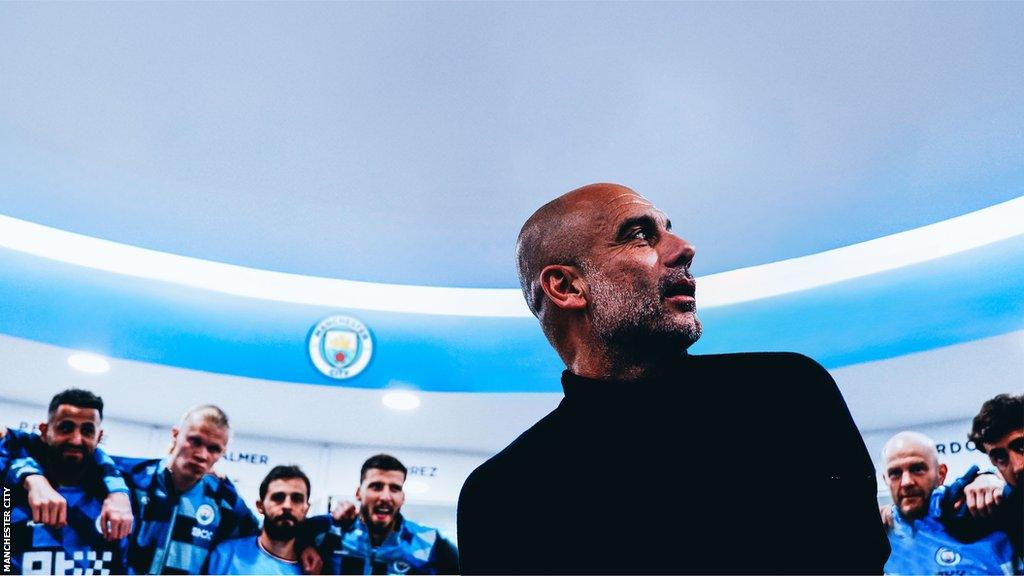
406,143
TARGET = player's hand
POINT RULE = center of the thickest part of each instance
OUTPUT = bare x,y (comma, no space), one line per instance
116,516
311,561
886,513
48,506
344,513
984,495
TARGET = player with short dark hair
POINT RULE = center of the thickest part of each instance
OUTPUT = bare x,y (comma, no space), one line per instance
284,502
281,472
1001,421
383,462
76,397
60,521
998,430
380,540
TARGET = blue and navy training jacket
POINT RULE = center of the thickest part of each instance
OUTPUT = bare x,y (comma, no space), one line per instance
175,531
22,452
409,549
77,548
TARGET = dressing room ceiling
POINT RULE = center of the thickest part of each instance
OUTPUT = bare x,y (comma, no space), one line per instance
406,143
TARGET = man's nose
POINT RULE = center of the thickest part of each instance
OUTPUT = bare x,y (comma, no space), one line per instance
678,252
906,479
386,495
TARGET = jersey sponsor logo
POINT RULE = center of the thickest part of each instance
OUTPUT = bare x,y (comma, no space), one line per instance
81,562
947,556
340,347
202,533
205,514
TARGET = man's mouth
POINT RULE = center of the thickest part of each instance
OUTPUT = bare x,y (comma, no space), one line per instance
383,511
283,518
681,291
911,496
72,451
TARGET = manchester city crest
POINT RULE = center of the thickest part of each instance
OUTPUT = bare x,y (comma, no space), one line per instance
947,557
340,347
205,514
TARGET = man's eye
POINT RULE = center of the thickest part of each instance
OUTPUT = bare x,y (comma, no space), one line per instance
214,449
298,498
65,427
277,497
1017,445
88,430
999,457
194,442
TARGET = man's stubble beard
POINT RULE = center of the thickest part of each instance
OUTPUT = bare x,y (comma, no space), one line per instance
635,315
280,532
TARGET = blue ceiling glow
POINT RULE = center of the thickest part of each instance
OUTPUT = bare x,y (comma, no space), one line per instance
946,301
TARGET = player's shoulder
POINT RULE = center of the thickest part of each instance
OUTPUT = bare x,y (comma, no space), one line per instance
137,469
413,530
242,549
222,490
18,440
17,435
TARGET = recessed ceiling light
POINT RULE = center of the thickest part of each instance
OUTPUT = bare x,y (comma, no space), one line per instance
401,400
90,363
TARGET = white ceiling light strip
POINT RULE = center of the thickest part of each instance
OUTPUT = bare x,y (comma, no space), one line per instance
973,230
945,238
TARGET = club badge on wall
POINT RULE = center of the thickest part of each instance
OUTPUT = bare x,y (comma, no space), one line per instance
340,347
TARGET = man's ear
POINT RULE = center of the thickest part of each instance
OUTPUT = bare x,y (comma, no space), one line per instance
942,473
564,286
174,439
359,495
42,429
99,437
259,507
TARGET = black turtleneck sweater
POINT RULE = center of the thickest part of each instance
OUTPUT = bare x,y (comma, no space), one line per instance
736,463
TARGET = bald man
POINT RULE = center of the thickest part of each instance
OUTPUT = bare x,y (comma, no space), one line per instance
657,461
920,541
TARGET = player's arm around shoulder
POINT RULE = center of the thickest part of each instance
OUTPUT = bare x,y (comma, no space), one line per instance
116,517
16,459
243,521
